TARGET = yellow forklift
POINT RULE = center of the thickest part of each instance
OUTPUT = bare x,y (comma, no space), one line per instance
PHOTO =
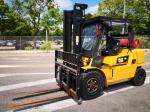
97,52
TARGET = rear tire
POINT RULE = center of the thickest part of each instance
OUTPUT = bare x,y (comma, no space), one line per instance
92,84
139,77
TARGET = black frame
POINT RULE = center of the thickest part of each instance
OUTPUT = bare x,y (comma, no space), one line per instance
67,73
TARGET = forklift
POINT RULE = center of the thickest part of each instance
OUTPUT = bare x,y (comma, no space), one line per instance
97,52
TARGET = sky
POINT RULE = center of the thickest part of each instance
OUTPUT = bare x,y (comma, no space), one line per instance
68,4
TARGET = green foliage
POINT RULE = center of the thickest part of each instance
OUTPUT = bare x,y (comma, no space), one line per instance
28,48
138,11
32,10
29,17
144,43
58,32
51,21
46,46
11,22
88,16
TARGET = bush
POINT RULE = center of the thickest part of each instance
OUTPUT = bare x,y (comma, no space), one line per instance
144,43
46,46
29,48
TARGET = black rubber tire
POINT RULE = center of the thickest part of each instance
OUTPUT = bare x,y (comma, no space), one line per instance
139,77
84,89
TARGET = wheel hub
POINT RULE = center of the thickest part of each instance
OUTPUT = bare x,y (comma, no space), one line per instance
92,85
140,77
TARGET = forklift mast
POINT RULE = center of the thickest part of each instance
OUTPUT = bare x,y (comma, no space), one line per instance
72,28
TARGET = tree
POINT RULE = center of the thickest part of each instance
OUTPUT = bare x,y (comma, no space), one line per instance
88,15
141,16
20,26
11,23
51,21
113,8
138,11
3,10
35,10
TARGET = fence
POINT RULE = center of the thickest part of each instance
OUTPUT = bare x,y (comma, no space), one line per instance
50,38
21,42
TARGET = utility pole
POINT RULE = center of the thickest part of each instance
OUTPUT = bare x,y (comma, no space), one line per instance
124,13
124,9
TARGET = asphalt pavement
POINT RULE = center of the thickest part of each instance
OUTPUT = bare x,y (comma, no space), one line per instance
24,72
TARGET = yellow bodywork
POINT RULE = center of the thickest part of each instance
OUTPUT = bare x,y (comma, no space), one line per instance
115,72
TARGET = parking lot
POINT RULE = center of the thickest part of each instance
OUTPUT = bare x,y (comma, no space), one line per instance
25,71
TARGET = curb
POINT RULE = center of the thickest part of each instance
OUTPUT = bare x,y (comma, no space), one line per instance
146,50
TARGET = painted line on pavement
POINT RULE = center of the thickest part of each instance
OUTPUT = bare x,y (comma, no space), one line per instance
70,102
26,66
124,87
26,84
17,74
30,84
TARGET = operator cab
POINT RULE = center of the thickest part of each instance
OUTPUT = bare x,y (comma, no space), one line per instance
104,36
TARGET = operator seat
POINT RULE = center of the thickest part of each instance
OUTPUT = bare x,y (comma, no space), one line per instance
112,47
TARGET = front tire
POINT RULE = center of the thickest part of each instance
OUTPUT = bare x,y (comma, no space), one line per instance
92,84
139,77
